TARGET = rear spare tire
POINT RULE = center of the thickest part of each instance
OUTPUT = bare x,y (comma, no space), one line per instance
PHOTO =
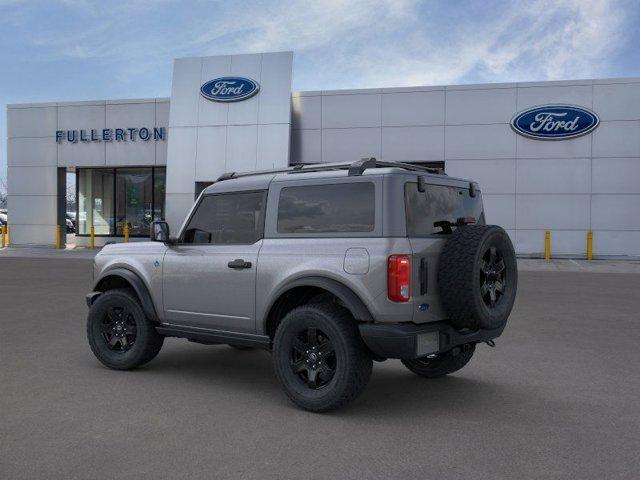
478,277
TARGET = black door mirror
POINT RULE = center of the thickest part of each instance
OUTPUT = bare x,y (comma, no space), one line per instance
160,231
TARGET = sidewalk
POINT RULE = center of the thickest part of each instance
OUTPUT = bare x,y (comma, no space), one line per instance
47,252
570,265
524,264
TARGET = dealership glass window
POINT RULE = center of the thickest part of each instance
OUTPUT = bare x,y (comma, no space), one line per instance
134,200
347,207
159,192
110,198
95,201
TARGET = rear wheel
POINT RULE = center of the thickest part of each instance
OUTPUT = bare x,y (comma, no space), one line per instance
440,365
241,347
119,334
320,358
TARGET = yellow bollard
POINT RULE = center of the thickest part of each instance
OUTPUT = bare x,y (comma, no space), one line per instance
3,231
6,227
547,245
58,236
126,233
92,237
589,245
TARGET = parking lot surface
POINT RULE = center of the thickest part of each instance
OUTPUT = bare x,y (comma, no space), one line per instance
559,397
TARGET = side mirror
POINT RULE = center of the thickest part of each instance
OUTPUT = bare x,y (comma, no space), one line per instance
160,231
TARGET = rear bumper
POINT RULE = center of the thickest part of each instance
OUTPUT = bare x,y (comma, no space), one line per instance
408,340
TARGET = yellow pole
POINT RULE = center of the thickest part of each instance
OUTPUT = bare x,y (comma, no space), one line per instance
126,232
547,245
6,227
589,245
92,237
4,233
58,236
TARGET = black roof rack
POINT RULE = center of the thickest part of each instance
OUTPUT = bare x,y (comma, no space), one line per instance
356,168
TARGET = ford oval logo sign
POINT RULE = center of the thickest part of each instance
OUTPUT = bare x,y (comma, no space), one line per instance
229,89
555,122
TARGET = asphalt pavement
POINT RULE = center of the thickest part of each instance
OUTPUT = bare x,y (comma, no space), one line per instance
558,397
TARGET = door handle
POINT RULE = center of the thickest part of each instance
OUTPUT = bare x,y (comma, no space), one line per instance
239,263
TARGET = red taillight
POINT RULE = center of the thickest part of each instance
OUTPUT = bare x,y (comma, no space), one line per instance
399,278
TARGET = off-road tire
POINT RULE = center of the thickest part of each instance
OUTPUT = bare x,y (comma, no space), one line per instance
147,342
353,363
442,365
241,348
460,270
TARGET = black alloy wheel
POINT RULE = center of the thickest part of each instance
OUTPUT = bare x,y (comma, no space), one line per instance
492,277
313,358
319,356
119,333
119,328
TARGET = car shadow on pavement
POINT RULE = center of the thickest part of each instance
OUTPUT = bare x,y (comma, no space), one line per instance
392,391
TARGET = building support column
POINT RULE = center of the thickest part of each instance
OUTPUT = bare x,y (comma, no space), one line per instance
61,209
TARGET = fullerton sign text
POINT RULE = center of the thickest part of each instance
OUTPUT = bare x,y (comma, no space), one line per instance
111,135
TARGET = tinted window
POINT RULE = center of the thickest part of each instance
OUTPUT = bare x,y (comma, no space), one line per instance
345,207
234,218
438,203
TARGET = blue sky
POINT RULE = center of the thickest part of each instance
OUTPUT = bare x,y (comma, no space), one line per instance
83,49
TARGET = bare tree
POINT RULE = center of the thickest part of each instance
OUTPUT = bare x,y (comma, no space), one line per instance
71,195
3,193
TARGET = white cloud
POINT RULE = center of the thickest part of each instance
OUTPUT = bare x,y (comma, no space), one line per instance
360,43
539,40
394,43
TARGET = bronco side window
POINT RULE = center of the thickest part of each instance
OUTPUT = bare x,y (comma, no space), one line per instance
227,219
337,208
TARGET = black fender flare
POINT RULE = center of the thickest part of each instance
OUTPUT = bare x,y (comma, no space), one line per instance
350,299
136,283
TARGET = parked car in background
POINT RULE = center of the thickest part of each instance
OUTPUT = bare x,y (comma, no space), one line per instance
71,222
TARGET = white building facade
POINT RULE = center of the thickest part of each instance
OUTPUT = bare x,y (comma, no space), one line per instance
139,160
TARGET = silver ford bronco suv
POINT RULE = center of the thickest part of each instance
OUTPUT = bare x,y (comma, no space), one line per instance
329,267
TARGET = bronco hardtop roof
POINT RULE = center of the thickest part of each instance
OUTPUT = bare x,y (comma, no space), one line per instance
355,168
365,166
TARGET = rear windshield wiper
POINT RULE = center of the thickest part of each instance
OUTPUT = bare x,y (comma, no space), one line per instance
446,225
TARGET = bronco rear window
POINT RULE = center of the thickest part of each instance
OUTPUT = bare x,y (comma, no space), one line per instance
438,203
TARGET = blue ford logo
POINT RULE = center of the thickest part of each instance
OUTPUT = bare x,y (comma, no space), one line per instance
555,122
229,89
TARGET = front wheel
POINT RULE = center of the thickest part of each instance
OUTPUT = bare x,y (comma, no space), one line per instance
442,364
119,334
320,358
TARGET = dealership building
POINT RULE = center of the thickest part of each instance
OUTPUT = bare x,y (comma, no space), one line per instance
559,156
